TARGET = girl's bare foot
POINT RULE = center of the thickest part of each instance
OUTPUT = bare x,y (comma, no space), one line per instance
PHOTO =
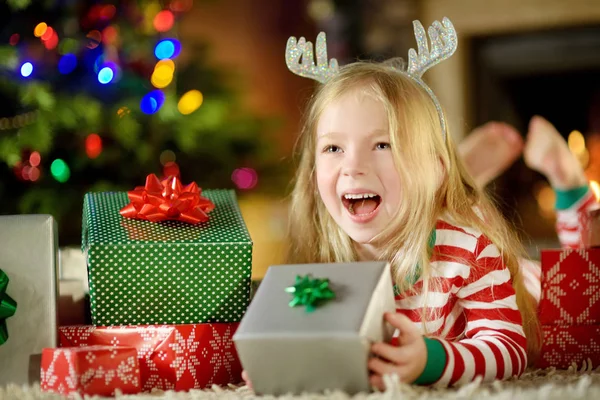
547,152
490,150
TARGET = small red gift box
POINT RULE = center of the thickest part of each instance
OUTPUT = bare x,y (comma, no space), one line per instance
570,287
563,345
171,357
91,370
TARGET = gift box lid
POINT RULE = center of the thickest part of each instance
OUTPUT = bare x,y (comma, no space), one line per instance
354,285
103,224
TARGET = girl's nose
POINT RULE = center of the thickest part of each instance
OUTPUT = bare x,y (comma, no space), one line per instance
355,164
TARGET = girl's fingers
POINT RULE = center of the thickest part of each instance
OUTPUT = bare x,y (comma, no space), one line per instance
408,331
381,367
395,354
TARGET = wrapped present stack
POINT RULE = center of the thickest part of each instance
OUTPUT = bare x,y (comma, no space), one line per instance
169,269
569,309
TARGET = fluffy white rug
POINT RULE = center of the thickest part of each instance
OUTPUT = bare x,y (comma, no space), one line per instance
568,384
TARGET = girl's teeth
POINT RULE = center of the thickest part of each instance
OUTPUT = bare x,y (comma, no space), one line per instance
360,196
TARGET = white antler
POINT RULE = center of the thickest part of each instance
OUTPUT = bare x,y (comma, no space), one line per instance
443,45
307,68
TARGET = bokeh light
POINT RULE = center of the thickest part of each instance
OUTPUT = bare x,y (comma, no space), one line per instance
166,63
47,34
123,111
26,69
60,170
14,39
95,37
67,63
107,12
181,5
164,21
546,198
35,158
25,172
93,145
321,10
167,156
576,142
595,186
109,35
163,74
171,169
68,45
164,49
167,48
105,75
40,29
190,102
244,178
152,102
52,42
34,174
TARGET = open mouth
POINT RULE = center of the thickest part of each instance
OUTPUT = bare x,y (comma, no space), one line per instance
361,204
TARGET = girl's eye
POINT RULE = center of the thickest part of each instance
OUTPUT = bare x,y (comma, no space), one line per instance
382,146
332,148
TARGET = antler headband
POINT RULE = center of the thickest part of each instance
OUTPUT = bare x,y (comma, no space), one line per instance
443,45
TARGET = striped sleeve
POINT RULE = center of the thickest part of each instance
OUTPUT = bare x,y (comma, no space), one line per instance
572,222
493,345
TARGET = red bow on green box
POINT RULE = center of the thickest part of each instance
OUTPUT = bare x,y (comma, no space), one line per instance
167,200
7,307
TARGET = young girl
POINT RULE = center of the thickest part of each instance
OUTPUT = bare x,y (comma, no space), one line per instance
379,179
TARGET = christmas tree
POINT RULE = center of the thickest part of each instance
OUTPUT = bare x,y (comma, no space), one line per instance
94,98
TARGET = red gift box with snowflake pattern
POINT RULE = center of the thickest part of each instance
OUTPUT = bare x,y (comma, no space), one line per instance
564,345
171,357
570,287
90,370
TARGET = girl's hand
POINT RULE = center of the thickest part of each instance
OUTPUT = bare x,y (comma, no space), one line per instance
407,360
246,379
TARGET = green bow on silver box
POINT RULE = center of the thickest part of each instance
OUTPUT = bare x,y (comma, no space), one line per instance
7,307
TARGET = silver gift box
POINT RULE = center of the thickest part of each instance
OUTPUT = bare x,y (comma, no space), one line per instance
28,255
289,350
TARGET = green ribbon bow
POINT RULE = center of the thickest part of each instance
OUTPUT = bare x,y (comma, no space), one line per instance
310,292
7,307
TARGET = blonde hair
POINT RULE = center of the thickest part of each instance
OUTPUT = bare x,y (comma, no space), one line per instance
423,159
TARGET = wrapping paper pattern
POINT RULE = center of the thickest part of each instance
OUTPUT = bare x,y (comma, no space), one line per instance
570,287
563,345
91,370
171,272
171,357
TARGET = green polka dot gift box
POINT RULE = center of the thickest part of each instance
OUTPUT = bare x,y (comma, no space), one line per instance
170,272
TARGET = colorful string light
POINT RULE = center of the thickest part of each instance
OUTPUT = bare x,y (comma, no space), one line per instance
244,178
190,102
152,102
105,75
167,48
60,170
93,145
67,63
40,29
164,20
14,39
26,69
